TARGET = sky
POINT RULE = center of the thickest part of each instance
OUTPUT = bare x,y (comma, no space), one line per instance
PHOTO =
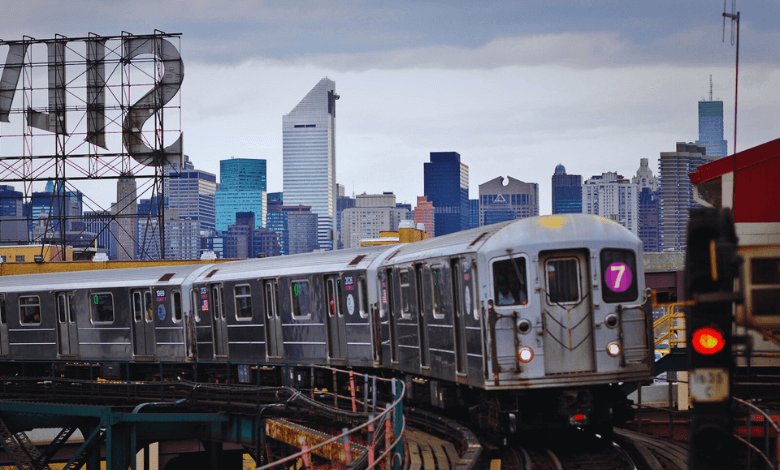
516,87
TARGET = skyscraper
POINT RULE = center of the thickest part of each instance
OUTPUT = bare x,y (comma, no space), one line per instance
677,192
446,185
193,194
242,188
499,202
423,214
649,207
126,225
309,157
566,192
711,127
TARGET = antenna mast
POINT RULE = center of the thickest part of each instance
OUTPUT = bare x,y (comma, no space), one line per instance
710,87
734,18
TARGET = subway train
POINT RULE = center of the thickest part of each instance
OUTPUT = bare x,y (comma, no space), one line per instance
519,325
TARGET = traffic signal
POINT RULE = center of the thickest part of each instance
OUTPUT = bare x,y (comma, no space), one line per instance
711,267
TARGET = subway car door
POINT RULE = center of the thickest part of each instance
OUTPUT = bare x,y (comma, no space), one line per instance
566,312
3,328
337,341
142,308
66,326
219,322
273,321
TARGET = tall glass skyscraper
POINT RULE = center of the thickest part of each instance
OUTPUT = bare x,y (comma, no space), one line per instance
446,185
711,129
566,192
309,154
242,188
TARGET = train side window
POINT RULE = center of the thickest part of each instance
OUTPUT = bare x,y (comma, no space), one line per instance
618,276
438,291
2,309
301,300
138,308
406,294
563,280
102,307
363,296
243,296
510,285
176,306
30,310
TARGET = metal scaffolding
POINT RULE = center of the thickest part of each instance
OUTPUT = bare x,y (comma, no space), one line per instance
91,110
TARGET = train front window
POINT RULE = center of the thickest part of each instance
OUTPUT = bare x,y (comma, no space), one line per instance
619,276
30,309
562,280
509,282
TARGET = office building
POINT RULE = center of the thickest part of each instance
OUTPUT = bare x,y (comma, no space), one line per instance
302,229
266,243
372,214
342,203
566,192
649,207
711,127
239,238
424,215
613,197
446,185
125,226
193,192
242,188
13,225
676,192
499,202
277,221
309,157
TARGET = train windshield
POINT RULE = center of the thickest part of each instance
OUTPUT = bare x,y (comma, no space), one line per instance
509,282
618,276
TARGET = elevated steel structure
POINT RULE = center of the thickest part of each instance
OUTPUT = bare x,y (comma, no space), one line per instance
75,112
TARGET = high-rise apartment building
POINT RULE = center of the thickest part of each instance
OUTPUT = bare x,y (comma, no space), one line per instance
613,197
446,185
649,207
372,214
424,214
309,157
566,192
242,188
499,202
676,192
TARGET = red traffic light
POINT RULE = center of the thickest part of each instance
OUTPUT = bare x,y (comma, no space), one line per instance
708,340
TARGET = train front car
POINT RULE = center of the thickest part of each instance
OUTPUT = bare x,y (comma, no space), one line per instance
565,322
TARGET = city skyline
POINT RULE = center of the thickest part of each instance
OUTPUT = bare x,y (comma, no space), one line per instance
508,86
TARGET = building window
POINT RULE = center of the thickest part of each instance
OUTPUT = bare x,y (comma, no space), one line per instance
20,258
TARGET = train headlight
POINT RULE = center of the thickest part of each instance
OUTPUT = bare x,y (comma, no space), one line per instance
525,354
613,349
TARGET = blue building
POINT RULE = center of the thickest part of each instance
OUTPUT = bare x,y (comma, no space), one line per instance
711,128
566,192
446,182
242,189
13,226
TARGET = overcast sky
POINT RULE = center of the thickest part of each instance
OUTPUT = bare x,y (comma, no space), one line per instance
515,87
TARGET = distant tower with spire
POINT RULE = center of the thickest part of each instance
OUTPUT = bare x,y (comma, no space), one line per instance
711,127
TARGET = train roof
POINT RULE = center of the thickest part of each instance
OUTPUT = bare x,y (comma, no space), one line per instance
102,278
533,234
325,261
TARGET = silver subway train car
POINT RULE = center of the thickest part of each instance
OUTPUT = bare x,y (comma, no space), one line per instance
522,324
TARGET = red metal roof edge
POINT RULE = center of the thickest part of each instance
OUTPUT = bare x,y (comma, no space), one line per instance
747,158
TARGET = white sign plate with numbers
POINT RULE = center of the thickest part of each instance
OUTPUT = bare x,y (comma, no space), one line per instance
709,385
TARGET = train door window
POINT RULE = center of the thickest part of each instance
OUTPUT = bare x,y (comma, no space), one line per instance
563,280
176,298
30,310
138,309
2,309
197,304
71,308
363,297
330,294
102,307
243,296
62,314
271,298
510,285
406,294
438,292
148,306
618,276
216,301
